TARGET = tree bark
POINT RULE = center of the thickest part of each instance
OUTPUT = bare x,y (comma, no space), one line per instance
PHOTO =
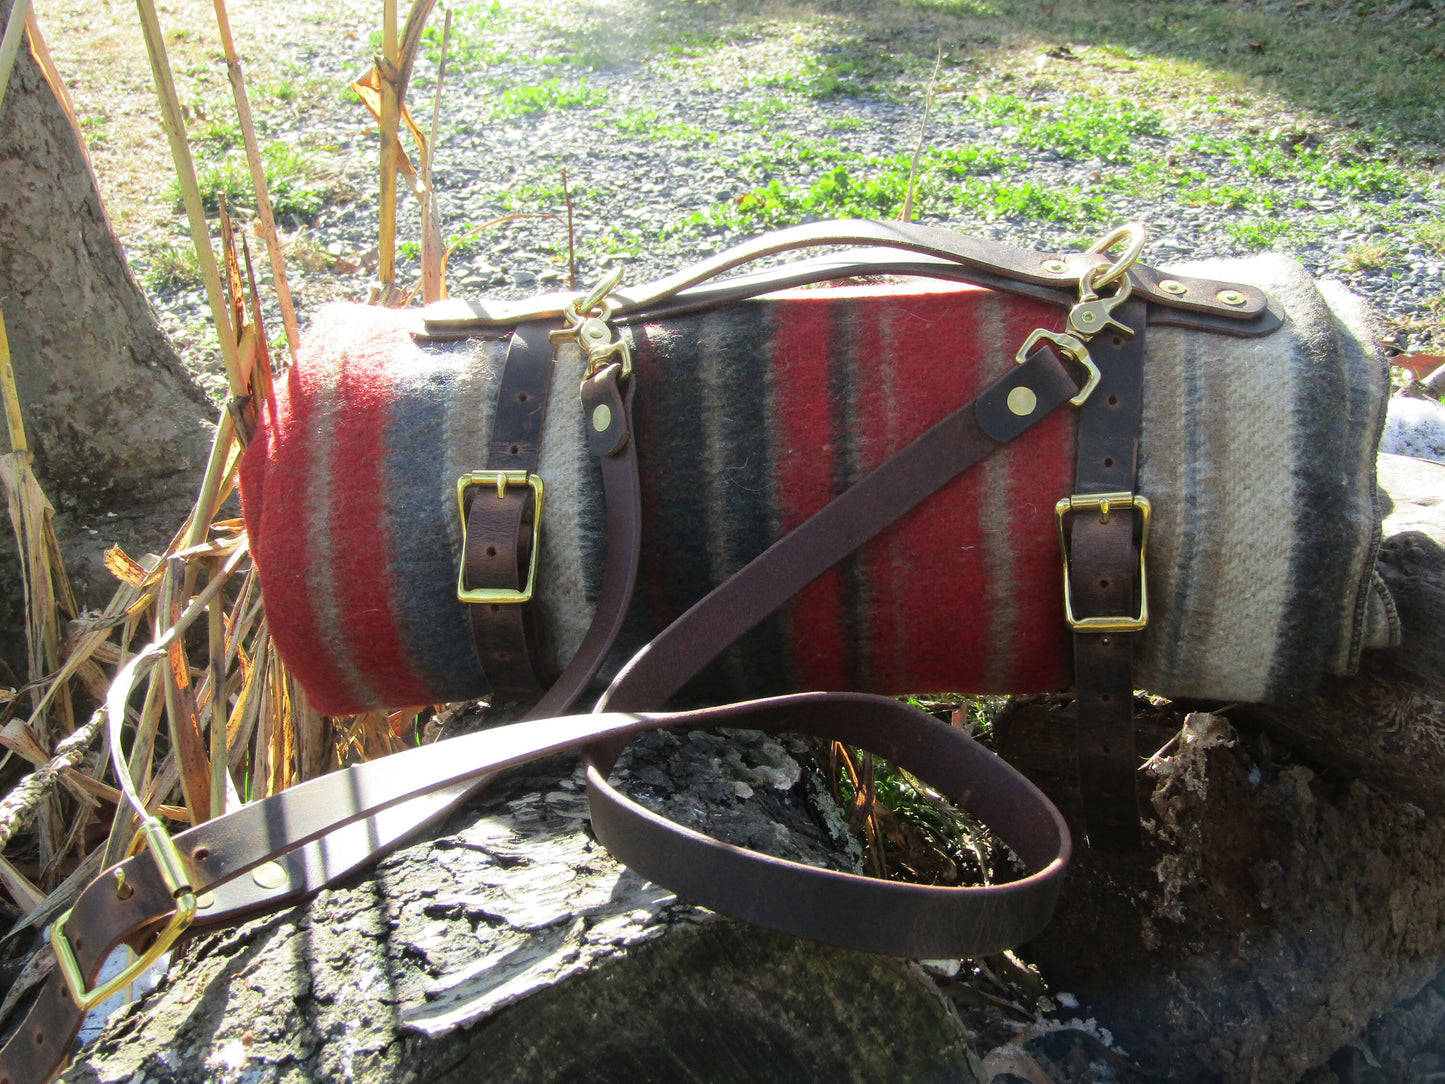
119,430
1275,910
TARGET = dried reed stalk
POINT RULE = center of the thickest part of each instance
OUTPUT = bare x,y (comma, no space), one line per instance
264,215
242,712
433,259
46,589
393,73
390,113
175,129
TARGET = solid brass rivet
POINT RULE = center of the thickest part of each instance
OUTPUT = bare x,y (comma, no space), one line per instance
269,875
1173,286
204,900
1231,297
1022,401
1055,267
602,418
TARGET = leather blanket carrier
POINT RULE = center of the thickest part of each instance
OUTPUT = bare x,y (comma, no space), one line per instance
969,467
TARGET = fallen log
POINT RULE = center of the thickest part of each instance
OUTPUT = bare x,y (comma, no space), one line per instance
511,947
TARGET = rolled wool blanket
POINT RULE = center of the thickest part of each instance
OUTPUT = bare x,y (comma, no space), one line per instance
1257,455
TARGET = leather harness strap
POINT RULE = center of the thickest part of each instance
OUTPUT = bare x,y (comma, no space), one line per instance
323,830
501,531
1102,564
996,264
608,411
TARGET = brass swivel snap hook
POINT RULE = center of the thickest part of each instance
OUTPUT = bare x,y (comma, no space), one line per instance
589,324
1092,313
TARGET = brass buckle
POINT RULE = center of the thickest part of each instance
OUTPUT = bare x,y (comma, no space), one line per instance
500,480
168,861
1106,504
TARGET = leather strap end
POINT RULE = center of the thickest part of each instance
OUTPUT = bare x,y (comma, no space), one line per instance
1017,400
603,408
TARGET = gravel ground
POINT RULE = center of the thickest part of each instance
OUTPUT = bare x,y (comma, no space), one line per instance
662,136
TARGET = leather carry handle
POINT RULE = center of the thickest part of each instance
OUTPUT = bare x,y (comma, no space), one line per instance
989,263
326,829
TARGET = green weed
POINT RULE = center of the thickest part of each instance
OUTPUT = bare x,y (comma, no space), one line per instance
759,113
221,134
1228,197
1032,201
1371,256
1432,236
838,193
474,30
930,840
1268,161
290,178
648,122
173,265
1081,128
973,161
1260,234
546,96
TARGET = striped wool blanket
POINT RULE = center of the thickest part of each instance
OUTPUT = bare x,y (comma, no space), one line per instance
1257,454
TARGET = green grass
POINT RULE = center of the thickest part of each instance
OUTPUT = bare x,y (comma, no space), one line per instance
1432,236
295,190
549,95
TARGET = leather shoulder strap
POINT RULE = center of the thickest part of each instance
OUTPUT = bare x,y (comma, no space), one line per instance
932,250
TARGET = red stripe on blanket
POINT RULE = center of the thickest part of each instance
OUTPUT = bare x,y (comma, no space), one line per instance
364,576
1040,471
934,553
280,541
806,455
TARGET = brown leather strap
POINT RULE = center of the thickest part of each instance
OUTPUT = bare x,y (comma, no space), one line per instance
873,915
1103,568
501,522
325,829
610,438
999,264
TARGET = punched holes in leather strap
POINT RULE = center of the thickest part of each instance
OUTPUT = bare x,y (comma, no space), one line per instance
1103,563
503,527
